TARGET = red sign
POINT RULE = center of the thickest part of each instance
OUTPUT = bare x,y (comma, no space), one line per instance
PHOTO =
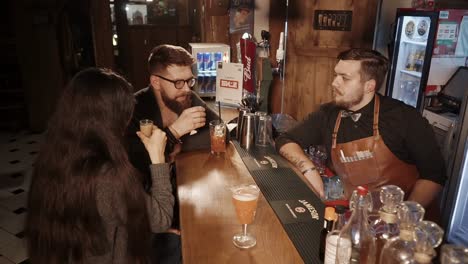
248,49
229,84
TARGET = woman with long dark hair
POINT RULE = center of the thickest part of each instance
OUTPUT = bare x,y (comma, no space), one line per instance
86,201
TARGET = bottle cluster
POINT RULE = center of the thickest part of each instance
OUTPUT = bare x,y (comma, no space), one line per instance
396,233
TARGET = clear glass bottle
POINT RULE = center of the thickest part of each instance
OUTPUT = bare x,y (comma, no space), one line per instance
356,244
428,235
332,237
400,249
386,226
453,254
329,220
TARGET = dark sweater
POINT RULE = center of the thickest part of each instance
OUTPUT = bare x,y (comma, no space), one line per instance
159,203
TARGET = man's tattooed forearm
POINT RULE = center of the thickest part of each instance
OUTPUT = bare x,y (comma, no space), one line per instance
298,162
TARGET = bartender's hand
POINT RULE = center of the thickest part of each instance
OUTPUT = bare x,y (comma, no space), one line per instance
155,145
316,181
190,119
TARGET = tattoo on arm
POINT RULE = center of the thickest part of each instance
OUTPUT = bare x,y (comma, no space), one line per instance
298,162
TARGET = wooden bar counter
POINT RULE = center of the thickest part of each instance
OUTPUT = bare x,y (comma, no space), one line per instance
208,219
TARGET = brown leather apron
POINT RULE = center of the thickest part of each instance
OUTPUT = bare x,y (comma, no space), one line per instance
368,161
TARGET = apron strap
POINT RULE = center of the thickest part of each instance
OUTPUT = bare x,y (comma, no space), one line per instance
335,130
375,126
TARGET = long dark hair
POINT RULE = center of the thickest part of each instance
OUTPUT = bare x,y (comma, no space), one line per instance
84,144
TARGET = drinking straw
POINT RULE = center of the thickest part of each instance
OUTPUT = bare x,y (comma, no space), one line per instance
219,111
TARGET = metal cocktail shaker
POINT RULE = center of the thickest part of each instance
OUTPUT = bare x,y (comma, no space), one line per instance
247,139
242,112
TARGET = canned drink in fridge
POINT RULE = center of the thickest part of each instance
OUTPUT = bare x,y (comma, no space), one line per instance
201,83
210,83
200,64
218,57
207,61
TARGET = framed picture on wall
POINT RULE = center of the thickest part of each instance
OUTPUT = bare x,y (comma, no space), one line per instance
136,14
162,12
241,16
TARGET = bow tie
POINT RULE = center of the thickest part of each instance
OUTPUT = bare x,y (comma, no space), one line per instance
354,116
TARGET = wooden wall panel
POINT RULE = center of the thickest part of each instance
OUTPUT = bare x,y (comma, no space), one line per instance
36,24
311,54
451,4
102,34
217,29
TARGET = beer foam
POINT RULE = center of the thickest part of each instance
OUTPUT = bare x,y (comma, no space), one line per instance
245,197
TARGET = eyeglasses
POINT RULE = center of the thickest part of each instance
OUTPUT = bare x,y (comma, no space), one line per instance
179,84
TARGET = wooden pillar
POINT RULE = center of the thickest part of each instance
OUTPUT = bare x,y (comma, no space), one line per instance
39,57
102,33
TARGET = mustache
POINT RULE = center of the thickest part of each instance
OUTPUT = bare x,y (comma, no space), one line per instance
337,92
189,95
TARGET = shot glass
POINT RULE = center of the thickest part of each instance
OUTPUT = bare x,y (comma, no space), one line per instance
218,136
146,127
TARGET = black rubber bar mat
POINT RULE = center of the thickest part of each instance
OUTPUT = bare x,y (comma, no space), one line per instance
299,210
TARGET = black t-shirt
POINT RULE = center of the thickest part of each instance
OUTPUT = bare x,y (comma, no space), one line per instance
405,132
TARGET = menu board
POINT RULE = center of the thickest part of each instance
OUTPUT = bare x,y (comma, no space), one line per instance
229,83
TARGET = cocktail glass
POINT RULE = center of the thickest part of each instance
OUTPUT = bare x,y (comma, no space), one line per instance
218,136
245,198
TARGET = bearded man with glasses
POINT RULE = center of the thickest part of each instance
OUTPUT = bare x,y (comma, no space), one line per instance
172,106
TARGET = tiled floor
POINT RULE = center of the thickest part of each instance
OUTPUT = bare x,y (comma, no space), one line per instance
17,154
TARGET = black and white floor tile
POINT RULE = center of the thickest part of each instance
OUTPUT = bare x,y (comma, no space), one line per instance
17,154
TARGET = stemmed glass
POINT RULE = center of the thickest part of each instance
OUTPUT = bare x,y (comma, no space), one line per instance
245,198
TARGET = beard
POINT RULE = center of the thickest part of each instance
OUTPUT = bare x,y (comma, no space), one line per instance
176,106
355,99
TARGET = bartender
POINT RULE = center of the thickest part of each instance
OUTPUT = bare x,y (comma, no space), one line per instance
372,139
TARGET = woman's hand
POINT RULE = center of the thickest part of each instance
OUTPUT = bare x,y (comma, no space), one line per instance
155,144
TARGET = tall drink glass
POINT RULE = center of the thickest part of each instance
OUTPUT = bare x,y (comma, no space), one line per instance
245,198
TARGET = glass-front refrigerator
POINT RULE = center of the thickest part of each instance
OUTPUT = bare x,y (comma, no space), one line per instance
208,55
411,56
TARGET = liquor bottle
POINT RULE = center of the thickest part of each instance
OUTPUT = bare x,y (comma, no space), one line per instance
410,60
386,226
401,248
329,219
332,237
356,244
428,235
453,254
418,63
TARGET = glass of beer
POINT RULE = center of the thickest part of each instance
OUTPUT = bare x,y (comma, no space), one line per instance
218,136
245,198
146,127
